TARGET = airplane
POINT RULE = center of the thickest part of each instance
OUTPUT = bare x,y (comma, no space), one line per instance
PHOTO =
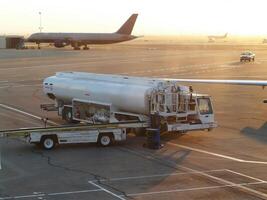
76,40
212,38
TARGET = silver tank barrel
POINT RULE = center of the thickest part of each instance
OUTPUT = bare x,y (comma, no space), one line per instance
128,94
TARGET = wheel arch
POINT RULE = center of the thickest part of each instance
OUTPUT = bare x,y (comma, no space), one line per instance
109,134
53,136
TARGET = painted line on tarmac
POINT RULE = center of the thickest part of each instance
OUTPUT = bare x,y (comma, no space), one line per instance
27,114
244,175
159,175
22,197
107,191
217,155
50,194
212,177
193,189
182,173
74,192
133,194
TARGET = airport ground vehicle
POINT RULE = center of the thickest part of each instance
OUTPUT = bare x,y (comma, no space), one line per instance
48,138
98,98
247,56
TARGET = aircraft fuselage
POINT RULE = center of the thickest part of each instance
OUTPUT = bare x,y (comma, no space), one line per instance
81,38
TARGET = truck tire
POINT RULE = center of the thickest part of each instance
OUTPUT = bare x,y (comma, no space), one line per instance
48,142
105,140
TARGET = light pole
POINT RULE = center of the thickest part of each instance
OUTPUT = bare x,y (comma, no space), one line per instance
40,27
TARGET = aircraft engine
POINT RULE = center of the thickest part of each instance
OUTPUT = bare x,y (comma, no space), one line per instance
60,44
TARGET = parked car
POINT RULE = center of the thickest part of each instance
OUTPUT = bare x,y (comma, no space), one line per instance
247,56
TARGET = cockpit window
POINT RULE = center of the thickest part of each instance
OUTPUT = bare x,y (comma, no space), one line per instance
246,53
204,106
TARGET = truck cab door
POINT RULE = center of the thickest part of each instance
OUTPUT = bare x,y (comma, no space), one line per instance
205,110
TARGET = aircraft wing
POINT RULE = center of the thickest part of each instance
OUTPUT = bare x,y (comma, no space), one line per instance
230,82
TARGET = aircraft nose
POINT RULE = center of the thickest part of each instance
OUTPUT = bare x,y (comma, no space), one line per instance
30,38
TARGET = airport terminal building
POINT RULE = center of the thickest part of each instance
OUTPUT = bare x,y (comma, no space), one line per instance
11,41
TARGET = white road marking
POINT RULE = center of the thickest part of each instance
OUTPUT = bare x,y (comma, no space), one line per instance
219,180
74,192
192,189
107,191
216,154
27,114
21,197
244,175
51,194
258,181
158,175
36,194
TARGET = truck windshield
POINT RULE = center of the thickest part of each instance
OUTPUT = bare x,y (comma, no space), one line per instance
204,106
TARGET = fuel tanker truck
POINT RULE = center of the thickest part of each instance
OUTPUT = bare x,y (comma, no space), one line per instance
106,98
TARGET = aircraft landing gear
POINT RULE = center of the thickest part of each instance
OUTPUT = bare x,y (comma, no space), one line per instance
39,47
76,46
86,47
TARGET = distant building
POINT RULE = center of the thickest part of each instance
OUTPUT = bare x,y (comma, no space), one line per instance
11,41
264,41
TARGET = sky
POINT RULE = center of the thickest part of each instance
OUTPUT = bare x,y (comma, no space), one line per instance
156,17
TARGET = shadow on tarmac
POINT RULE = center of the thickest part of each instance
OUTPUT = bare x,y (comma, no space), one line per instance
259,134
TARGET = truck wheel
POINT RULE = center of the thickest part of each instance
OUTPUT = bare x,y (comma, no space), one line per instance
48,142
105,140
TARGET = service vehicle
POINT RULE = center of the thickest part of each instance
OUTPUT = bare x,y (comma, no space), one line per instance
106,98
48,138
247,56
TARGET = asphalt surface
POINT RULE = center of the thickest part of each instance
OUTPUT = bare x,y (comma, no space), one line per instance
229,162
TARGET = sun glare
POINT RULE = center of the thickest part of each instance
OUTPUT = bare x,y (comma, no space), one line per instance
168,17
